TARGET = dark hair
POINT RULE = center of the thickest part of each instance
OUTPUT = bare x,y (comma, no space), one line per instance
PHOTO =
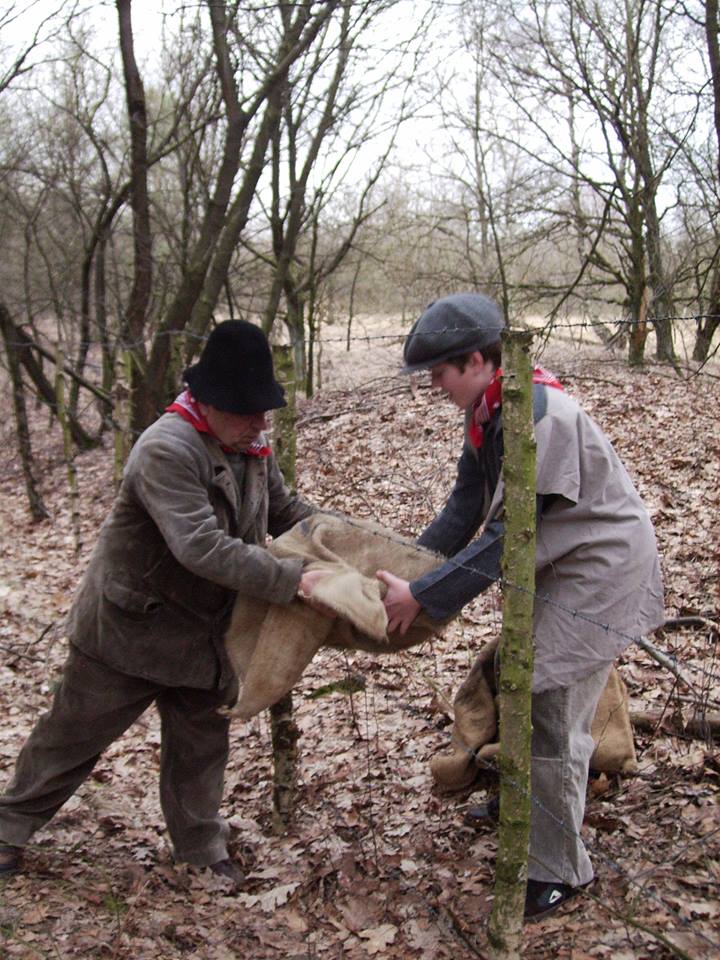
492,352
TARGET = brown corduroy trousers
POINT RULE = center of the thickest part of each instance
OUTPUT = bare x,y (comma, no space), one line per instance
93,706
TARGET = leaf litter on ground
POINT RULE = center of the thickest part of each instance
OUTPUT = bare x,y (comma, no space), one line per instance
376,864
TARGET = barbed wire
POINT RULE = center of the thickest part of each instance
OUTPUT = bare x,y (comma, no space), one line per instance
604,857
632,880
504,583
574,613
621,323
698,369
579,615
636,881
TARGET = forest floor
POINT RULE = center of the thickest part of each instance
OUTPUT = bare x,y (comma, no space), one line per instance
376,863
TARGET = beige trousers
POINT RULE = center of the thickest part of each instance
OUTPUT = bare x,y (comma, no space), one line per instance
561,749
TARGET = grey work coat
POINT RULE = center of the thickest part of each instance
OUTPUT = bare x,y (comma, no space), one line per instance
185,534
598,583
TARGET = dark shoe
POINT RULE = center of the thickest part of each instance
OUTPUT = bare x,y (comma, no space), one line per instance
228,868
483,815
10,859
543,897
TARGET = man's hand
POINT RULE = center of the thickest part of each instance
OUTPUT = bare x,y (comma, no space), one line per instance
308,581
400,605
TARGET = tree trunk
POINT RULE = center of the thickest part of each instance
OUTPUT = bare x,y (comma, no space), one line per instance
638,329
136,312
122,435
284,419
237,218
285,733
24,351
68,451
38,510
516,651
707,326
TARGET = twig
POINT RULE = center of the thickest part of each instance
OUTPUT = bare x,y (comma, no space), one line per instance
656,935
680,622
665,661
24,656
446,919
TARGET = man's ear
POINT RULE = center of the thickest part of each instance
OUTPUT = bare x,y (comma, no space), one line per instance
477,361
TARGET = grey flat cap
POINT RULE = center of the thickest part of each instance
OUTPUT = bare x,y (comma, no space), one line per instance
454,325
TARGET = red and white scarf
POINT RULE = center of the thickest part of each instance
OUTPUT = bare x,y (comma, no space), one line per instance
187,406
489,401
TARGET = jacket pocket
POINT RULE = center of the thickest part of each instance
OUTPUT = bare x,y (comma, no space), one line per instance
130,600
176,585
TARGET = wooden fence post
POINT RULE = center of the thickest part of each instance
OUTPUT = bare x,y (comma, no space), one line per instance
516,650
285,733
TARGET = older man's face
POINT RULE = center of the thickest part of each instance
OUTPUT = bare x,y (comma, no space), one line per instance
234,430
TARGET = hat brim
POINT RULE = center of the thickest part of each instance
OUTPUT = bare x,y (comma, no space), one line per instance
270,396
431,362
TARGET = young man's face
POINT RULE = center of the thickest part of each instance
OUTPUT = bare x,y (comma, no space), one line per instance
234,430
463,387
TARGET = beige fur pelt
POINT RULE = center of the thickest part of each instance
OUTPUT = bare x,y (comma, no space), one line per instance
475,727
270,645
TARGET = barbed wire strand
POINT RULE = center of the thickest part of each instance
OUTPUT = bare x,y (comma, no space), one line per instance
191,335
632,881
503,582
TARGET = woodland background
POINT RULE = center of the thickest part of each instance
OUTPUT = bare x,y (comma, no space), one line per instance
326,169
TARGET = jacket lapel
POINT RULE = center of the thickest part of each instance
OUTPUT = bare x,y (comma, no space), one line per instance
223,478
249,510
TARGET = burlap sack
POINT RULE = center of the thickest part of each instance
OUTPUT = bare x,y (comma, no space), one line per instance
270,645
475,727
612,731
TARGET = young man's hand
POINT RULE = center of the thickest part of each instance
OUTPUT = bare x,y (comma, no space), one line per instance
400,605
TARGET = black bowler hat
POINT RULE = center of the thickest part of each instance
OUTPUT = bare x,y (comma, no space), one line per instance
235,371
450,327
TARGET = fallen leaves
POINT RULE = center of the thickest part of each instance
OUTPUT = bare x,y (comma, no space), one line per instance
270,900
378,938
375,865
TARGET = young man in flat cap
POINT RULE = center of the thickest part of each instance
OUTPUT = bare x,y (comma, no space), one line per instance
596,565
200,491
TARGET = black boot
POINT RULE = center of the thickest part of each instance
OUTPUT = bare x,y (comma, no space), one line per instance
483,815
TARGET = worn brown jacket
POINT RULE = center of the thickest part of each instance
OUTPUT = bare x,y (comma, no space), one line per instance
185,534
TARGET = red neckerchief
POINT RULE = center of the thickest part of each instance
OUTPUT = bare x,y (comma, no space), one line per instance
186,406
489,401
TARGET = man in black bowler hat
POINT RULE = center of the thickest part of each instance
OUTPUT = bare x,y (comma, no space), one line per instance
200,492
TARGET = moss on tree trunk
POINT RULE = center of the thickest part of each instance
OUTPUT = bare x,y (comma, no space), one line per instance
516,651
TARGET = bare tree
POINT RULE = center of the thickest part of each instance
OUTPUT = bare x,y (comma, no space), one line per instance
250,120
708,325
578,98
338,110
